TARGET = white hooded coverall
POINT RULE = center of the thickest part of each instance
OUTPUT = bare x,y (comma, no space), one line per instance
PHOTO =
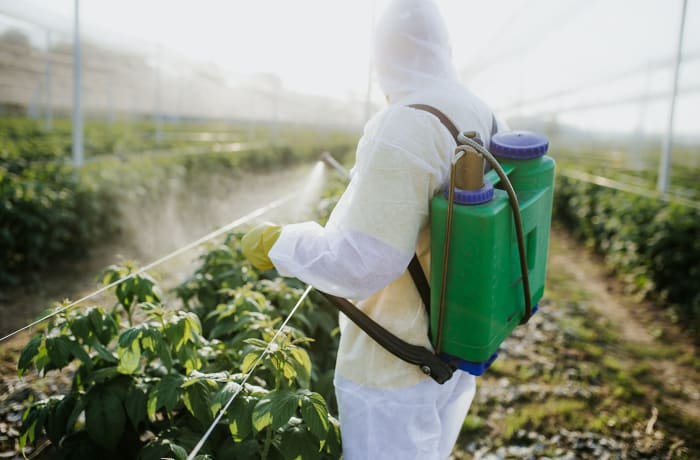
389,409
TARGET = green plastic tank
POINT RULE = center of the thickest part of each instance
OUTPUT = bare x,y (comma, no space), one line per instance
484,297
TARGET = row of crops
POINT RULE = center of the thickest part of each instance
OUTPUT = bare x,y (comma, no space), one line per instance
26,139
651,243
52,211
29,140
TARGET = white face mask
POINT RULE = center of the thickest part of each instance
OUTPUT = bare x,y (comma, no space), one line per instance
412,48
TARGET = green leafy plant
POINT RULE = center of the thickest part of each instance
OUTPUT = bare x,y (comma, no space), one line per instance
149,379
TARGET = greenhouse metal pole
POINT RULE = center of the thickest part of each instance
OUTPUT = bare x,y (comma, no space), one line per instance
665,162
159,96
77,113
48,121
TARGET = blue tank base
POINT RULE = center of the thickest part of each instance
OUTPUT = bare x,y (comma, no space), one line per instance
535,308
469,366
472,367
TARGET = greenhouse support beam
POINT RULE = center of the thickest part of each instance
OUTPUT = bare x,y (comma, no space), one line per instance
77,113
665,161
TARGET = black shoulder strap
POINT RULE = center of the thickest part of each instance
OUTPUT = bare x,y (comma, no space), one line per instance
426,359
448,123
414,268
421,281
441,116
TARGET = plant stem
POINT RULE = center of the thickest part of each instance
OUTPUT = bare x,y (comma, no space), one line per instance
268,442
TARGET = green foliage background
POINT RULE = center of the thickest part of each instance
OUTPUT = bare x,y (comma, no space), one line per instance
52,211
652,244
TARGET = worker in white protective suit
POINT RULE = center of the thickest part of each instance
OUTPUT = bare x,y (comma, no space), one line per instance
389,409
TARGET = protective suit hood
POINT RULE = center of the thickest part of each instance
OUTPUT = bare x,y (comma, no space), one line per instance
412,49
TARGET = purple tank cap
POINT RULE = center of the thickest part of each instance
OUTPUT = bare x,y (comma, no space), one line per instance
482,195
519,145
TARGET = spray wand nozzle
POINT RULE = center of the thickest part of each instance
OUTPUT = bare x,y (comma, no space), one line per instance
328,159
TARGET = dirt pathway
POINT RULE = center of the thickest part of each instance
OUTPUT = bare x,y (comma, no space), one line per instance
639,322
591,276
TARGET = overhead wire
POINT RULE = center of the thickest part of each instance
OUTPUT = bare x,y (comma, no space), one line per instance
631,100
630,72
628,188
557,21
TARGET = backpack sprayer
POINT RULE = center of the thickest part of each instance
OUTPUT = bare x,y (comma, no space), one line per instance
489,243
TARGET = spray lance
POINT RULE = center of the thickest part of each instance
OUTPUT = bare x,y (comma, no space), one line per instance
489,244
328,159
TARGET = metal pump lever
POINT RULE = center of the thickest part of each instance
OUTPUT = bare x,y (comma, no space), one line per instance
333,163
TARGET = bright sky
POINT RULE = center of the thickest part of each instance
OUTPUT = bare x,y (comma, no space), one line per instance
511,52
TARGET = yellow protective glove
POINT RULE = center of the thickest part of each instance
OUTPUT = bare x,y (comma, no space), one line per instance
256,244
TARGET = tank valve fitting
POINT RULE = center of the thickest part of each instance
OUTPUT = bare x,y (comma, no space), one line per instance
470,170
470,185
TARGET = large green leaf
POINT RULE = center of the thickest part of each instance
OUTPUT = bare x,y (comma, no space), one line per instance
197,401
178,451
175,333
315,413
239,450
104,353
223,396
163,352
127,337
103,325
58,349
78,409
104,417
249,361
80,327
103,375
58,417
129,356
283,365
79,352
298,445
28,353
150,339
241,416
275,409
302,363
32,422
165,394
189,358
333,444
135,404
